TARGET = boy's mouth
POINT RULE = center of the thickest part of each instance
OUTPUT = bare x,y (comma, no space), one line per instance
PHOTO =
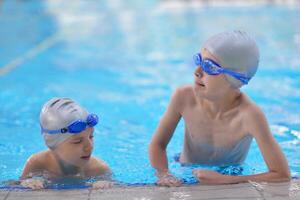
85,157
199,83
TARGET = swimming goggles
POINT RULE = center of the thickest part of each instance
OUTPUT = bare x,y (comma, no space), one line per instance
76,126
212,68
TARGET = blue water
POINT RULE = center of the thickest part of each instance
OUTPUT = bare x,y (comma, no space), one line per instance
122,61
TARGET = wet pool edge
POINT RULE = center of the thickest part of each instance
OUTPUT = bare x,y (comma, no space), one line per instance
286,190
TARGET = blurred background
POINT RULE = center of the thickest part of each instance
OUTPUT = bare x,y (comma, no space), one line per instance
123,60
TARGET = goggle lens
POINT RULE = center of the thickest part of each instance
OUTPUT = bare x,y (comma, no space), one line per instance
92,120
77,127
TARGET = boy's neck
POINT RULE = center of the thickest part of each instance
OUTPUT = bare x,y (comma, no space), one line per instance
218,107
68,169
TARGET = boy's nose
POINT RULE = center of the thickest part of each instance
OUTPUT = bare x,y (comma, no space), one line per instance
88,145
198,72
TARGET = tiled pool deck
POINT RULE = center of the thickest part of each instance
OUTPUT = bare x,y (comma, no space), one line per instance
248,191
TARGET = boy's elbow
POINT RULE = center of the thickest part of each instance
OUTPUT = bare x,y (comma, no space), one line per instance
151,147
286,176
155,147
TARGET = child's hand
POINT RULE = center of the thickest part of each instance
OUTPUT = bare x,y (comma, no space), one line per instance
209,177
102,185
33,183
168,180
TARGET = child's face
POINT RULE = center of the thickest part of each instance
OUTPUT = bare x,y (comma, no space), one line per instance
77,149
209,86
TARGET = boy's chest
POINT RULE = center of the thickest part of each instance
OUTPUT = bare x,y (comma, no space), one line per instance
224,132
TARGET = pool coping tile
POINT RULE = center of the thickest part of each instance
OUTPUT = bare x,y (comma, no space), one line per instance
3,194
285,190
247,191
48,194
236,191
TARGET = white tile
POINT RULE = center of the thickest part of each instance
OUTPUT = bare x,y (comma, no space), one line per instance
297,197
3,194
243,191
285,190
295,190
233,193
48,194
273,189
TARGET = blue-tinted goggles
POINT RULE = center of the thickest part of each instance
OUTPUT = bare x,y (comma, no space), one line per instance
212,68
76,126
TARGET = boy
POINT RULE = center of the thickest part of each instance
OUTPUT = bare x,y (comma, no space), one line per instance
220,120
68,132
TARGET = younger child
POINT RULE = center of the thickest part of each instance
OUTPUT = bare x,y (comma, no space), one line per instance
220,120
68,132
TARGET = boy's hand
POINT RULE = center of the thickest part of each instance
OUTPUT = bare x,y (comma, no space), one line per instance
33,183
167,180
102,185
209,177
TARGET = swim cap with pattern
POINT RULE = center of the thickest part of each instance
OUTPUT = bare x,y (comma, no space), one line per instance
58,113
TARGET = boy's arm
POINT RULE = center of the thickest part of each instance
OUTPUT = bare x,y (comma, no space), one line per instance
163,134
272,154
278,168
98,167
32,165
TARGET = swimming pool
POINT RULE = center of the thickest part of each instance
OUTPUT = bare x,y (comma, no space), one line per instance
123,61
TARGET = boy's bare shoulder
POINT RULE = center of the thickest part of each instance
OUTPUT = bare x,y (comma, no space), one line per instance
40,158
184,93
182,98
36,162
97,167
253,114
185,90
250,109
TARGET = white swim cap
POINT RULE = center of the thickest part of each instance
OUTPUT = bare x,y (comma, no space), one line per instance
236,51
56,114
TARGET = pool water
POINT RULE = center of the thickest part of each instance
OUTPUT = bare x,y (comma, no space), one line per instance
123,61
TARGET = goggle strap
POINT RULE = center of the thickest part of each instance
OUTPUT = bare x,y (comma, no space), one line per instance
241,77
52,132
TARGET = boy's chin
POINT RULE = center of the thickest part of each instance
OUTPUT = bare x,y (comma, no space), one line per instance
199,92
78,162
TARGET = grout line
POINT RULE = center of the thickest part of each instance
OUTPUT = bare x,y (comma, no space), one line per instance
89,195
261,193
8,191
45,44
